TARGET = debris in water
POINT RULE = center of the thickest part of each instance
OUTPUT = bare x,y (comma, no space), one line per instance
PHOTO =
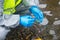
52,32
56,22
45,21
48,13
59,2
43,5
56,18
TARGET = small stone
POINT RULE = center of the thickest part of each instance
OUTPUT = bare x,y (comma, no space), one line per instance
52,32
48,13
56,18
45,21
43,5
56,22
54,37
59,2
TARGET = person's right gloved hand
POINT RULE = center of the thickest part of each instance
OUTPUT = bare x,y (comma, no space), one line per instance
27,20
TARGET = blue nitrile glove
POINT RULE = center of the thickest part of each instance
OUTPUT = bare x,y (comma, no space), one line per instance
27,20
37,13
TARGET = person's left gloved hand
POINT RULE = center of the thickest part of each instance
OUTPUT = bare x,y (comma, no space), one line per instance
27,20
37,13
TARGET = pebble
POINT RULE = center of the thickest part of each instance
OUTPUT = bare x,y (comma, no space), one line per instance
45,21
56,22
48,13
59,2
52,32
43,5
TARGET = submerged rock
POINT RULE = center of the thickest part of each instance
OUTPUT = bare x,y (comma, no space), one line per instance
56,22
45,21
43,5
52,32
48,13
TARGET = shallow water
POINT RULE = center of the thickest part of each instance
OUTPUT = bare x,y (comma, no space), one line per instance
21,33
54,7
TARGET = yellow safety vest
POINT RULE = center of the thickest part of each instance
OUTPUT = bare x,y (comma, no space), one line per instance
9,6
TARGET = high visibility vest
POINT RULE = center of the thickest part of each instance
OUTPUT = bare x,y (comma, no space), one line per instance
9,6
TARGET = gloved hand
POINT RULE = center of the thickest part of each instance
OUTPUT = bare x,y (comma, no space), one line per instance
27,20
37,13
